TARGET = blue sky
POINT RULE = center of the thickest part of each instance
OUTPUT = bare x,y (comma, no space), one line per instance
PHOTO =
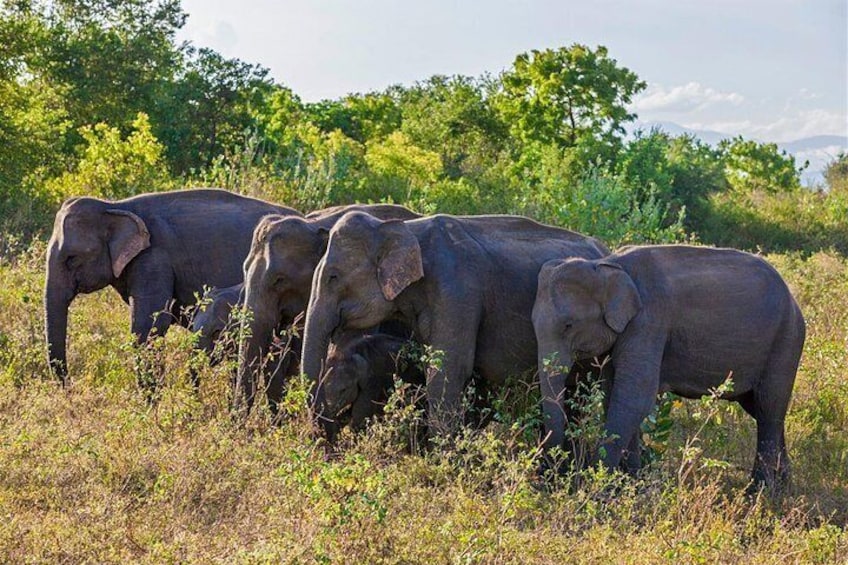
773,70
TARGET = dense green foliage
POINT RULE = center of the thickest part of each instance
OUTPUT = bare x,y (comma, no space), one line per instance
97,97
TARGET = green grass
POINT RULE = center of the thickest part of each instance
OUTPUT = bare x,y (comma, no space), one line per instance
93,473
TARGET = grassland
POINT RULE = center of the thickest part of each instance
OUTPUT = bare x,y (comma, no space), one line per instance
94,473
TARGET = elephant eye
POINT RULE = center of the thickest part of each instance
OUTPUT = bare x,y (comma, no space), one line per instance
71,261
567,327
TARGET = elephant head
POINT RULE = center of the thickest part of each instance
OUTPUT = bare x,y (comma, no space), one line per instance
581,308
359,378
212,319
277,278
90,248
347,375
367,265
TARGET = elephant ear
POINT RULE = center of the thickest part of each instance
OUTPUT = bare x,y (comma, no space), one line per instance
361,365
323,239
621,300
128,238
399,259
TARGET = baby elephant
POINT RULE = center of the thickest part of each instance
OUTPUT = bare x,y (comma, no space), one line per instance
673,318
359,378
210,321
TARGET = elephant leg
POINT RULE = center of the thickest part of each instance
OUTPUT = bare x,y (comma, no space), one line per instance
151,317
446,380
453,339
633,395
283,368
771,465
632,459
445,388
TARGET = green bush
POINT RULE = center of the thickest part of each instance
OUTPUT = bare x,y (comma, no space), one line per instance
112,166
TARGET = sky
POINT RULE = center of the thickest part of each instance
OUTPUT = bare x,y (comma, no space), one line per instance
771,70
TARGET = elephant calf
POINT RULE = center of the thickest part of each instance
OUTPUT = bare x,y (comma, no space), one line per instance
674,318
210,321
359,378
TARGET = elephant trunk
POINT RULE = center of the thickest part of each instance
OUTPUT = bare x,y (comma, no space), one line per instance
325,420
553,371
321,322
255,341
58,294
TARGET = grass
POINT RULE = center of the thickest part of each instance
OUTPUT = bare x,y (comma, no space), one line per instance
94,473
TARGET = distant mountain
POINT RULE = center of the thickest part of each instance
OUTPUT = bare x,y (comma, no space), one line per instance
707,136
819,150
815,142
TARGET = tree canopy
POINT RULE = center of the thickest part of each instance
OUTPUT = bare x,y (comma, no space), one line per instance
97,96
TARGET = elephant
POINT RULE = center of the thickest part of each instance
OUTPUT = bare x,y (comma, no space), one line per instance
157,250
464,285
210,321
277,278
673,318
359,378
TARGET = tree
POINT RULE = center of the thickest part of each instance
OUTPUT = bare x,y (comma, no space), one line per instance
115,166
208,108
681,171
572,97
113,56
453,117
836,174
361,117
751,165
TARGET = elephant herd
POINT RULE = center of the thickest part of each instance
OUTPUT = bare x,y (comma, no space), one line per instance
493,295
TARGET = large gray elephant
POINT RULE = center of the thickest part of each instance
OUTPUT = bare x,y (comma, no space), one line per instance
359,378
464,285
157,250
674,318
278,277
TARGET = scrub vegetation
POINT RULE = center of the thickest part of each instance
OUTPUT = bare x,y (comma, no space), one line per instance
95,472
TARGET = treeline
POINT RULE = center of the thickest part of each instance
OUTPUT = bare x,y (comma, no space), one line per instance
97,97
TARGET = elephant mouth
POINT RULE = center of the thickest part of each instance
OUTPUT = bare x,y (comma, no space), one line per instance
340,416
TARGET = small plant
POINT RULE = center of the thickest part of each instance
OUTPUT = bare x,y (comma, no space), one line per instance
692,458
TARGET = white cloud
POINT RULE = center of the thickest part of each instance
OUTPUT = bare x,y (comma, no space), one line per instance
218,34
800,124
690,97
807,94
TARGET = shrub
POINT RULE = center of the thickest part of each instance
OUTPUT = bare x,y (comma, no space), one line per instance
115,167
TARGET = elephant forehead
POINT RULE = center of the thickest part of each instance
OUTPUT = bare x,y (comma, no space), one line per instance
266,227
355,223
341,249
578,304
78,235
293,236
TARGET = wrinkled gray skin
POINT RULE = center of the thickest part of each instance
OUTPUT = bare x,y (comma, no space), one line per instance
278,277
463,285
674,318
360,377
210,321
157,250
